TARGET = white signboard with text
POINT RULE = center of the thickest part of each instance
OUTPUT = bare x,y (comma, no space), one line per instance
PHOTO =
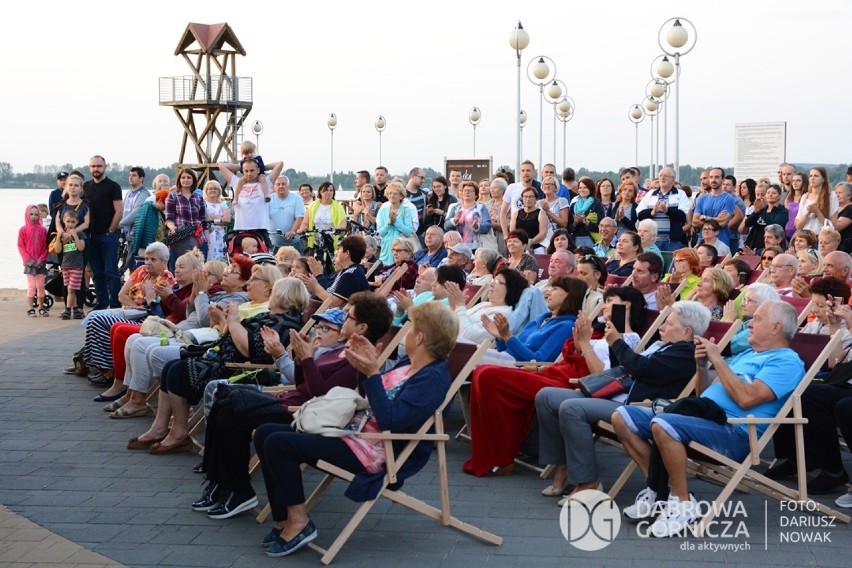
758,149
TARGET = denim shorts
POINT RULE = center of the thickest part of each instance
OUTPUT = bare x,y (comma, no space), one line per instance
730,440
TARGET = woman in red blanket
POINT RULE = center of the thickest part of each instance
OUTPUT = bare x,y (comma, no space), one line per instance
502,400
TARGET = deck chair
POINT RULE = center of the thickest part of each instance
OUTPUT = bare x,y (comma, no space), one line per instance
802,305
386,286
668,257
676,289
814,350
752,260
543,261
613,280
653,320
373,268
462,361
473,293
722,332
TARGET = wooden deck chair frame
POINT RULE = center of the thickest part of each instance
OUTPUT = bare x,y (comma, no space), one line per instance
607,432
798,303
737,472
477,296
386,286
387,351
372,270
394,463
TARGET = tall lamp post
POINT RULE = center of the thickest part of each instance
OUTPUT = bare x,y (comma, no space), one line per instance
658,91
519,39
662,71
636,115
332,124
541,70
381,124
474,117
522,121
652,108
565,112
554,93
257,128
676,40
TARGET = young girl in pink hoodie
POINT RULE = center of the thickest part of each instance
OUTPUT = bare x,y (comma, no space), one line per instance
32,244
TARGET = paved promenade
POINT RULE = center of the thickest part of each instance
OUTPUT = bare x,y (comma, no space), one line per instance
72,495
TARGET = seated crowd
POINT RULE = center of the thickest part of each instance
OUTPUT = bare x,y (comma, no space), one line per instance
571,276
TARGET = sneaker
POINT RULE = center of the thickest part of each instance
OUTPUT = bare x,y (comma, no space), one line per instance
643,507
827,482
844,501
209,499
785,470
66,314
281,547
232,505
270,537
675,517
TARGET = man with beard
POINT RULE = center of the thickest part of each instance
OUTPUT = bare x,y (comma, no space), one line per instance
106,207
717,205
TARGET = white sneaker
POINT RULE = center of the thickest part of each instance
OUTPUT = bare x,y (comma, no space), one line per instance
844,501
643,507
675,517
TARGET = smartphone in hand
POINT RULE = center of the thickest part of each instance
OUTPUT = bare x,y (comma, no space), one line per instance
618,316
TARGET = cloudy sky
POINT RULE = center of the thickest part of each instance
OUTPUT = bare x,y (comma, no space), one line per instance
82,78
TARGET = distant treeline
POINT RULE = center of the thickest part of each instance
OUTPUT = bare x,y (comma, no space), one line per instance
45,176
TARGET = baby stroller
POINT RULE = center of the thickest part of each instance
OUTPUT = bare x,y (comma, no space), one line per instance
53,284
234,239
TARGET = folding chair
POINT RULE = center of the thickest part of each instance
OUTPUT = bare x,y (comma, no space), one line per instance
675,289
722,332
613,280
373,267
543,261
386,286
802,305
653,320
461,361
814,350
473,293
752,260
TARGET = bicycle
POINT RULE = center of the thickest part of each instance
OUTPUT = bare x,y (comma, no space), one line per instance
323,248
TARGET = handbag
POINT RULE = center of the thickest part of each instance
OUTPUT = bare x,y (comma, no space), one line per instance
840,375
249,402
697,406
155,326
330,415
606,384
183,232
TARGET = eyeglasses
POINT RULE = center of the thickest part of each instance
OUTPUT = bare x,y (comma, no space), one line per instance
351,317
774,267
399,250
325,328
709,229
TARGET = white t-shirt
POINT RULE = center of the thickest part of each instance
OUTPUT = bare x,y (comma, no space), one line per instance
250,211
322,218
512,196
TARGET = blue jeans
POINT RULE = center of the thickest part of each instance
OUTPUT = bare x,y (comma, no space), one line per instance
728,439
103,260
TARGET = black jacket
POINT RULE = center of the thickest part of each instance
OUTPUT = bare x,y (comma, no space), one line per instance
662,374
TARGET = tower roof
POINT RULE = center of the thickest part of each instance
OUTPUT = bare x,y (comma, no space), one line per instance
211,38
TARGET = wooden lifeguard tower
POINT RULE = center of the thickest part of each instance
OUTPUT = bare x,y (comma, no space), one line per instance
213,102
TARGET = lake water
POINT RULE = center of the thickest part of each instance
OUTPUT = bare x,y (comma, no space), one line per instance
13,202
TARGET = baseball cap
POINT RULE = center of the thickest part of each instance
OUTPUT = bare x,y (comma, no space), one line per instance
463,249
62,175
334,316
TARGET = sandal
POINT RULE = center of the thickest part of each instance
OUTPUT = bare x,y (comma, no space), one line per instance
554,491
43,311
113,406
31,312
78,314
66,314
124,413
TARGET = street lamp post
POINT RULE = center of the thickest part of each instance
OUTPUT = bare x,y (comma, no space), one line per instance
636,115
652,108
332,124
381,124
565,112
678,40
541,70
522,121
657,90
519,39
474,117
257,128
554,94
